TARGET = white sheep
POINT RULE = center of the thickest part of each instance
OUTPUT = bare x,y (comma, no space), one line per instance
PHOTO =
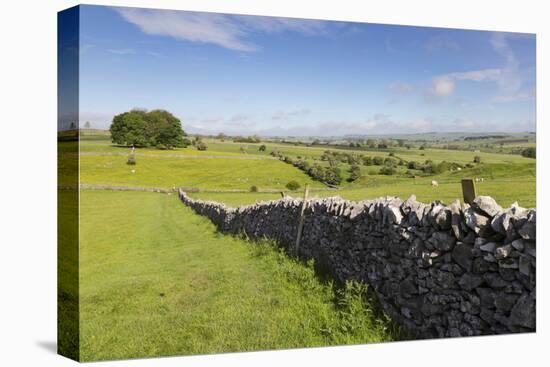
434,183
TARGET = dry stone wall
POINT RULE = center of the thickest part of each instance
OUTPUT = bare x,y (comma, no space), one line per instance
438,271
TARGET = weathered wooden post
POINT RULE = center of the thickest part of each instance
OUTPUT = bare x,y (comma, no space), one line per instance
468,190
301,220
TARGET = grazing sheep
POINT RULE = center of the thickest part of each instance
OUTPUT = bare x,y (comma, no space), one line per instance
434,183
482,179
476,179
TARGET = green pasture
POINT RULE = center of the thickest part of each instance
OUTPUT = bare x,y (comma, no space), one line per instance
205,173
157,279
227,148
105,146
505,192
224,167
507,183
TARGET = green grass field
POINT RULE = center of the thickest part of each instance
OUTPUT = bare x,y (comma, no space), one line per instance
227,148
205,173
223,167
445,192
156,279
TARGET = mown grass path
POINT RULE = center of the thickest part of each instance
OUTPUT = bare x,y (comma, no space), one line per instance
157,279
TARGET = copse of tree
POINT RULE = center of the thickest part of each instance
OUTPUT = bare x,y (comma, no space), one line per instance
293,185
201,145
262,148
139,128
388,170
378,161
367,161
389,161
530,152
331,175
87,124
355,173
477,159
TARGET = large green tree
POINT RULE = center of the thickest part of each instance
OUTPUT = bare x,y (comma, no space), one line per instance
140,128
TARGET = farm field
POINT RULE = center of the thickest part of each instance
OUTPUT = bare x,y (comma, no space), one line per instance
170,284
205,173
159,280
226,148
445,192
224,168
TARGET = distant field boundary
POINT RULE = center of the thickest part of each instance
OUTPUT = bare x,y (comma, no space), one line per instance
182,156
85,186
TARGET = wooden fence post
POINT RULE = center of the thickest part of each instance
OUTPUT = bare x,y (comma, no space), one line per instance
301,220
468,190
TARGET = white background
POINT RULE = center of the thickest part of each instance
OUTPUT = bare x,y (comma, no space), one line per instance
28,181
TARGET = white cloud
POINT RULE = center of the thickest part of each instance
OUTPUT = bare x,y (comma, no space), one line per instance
507,78
229,31
477,75
442,86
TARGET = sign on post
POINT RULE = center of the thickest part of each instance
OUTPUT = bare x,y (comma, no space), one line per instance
468,190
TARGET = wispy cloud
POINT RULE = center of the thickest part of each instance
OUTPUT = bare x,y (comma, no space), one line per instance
441,42
477,75
228,31
155,54
507,77
401,88
510,82
122,51
286,115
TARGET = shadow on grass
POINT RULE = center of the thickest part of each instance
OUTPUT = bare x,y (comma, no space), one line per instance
350,297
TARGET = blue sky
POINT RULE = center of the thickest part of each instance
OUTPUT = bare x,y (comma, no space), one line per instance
282,76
